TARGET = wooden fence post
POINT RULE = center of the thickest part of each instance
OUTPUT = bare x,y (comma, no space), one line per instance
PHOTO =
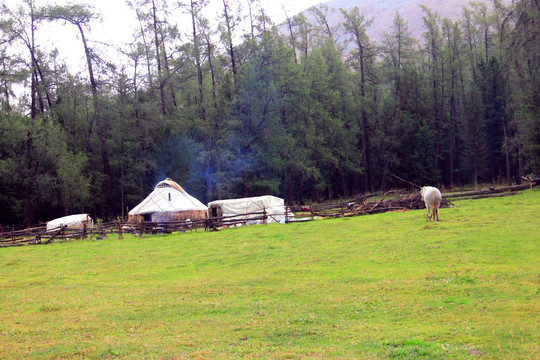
83,236
120,235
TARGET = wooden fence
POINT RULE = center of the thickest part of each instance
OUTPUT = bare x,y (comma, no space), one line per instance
358,206
40,235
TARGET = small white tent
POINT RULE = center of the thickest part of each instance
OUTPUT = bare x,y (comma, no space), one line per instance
239,209
76,221
168,202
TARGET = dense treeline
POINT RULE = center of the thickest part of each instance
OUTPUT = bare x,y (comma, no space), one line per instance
286,110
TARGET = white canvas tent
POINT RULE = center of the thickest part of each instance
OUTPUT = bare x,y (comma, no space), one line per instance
76,221
168,202
240,208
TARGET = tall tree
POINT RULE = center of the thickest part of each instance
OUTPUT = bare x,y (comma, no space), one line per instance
23,27
230,22
398,65
452,35
217,115
398,52
304,34
292,36
159,59
492,86
436,65
472,38
322,14
356,25
522,62
194,10
474,136
80,16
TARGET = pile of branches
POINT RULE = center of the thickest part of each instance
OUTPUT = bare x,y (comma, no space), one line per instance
385,204
413,202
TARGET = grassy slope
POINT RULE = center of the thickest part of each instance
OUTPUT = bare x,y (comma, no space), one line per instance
380,286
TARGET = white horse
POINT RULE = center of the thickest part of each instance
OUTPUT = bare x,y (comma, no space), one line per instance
432,198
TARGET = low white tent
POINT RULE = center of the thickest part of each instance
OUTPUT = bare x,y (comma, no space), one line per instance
168,202
240,208
76,221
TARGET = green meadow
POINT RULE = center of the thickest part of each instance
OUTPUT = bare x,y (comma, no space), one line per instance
386,286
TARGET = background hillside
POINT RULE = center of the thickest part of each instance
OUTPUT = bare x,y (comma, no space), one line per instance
383,11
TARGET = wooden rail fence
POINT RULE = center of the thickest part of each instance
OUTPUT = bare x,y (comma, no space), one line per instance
358,206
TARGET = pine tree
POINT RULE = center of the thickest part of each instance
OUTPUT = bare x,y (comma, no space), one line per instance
476,151
356,24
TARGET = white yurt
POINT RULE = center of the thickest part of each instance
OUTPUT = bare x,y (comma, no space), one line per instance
168,202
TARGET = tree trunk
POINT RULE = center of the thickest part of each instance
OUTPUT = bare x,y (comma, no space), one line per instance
202,108
161,78
491,190
167,72
288,187
230,39
217,135
30,217
100,129
507,154
217,139
147,52
365,135
452,108
293,41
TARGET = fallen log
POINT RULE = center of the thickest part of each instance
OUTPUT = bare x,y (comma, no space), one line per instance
475,197
490,190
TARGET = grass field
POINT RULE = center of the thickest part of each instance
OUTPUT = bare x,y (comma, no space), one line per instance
371,287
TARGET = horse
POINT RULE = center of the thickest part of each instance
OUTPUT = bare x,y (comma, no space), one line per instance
432,198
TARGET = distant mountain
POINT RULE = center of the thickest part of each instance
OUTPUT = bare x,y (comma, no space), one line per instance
383,11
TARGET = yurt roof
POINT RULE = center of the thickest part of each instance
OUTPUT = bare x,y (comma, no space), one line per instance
167,196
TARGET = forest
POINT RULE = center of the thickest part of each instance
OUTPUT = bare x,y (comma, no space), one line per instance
282,109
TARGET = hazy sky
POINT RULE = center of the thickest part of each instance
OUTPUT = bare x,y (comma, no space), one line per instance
119,23
116,14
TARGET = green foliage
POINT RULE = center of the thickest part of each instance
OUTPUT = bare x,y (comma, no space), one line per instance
35,160
523,52
491,84
475,138
387,286
527,123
